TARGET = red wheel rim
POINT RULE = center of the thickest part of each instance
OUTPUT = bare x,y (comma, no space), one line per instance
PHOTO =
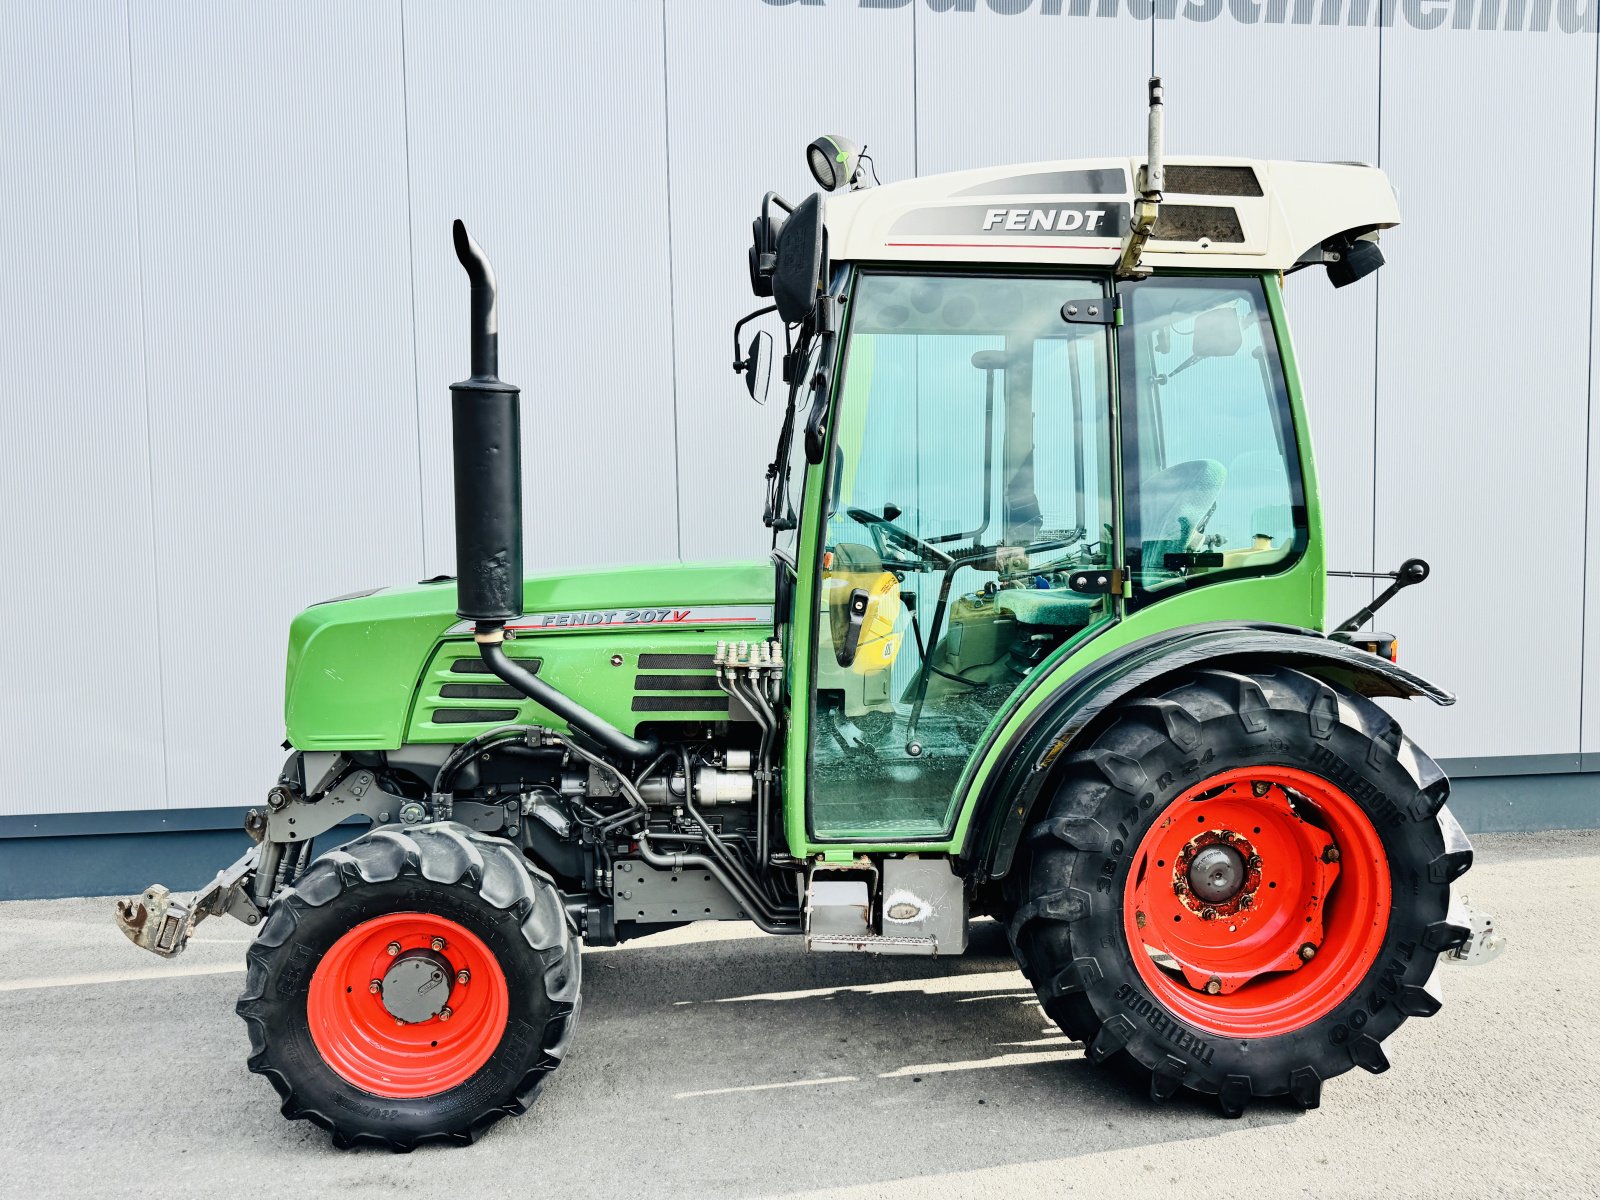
361,1039
1300,929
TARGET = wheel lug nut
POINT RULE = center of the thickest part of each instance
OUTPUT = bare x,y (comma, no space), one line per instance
1213,986
393,948
437,943
445,1014
1308,952
1247,901
375,986
399,1020
1330,854
463,975
1208,914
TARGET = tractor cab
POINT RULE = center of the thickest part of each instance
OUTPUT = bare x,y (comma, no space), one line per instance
1001,441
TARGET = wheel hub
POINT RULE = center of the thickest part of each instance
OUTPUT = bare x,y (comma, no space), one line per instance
408,1004
1216,874
417,986
1257,899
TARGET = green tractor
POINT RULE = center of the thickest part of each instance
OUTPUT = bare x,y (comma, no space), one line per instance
1040,640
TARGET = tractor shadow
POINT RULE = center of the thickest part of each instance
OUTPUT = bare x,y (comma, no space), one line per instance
822,1068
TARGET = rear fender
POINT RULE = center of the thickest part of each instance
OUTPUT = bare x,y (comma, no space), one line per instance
1071,715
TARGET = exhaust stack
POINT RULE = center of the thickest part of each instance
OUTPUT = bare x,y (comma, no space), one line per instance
486,427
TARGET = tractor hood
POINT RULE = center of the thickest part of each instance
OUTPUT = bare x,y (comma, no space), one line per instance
396,665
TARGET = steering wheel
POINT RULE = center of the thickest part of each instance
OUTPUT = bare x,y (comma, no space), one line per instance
885,530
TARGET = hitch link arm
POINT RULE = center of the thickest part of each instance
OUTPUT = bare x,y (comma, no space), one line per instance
161,923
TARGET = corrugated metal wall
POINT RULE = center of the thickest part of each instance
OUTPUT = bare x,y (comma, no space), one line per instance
229,310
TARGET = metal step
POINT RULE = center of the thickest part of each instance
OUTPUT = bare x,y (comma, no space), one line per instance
871,943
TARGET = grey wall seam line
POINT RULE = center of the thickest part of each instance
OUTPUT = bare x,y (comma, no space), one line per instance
1588,412
149,419
916,103
672,284
411,251
1377,349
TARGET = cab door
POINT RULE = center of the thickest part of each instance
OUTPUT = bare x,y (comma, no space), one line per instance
969,486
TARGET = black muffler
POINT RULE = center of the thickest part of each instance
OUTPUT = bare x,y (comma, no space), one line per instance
486,424
486,427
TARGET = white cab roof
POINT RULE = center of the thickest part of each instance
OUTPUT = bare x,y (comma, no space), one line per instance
1217,213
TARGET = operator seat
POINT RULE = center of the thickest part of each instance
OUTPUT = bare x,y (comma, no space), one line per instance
1175,505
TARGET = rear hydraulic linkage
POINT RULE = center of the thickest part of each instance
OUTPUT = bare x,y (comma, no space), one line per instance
160,922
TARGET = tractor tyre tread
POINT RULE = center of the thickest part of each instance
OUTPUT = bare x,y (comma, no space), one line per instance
444,854
1066,928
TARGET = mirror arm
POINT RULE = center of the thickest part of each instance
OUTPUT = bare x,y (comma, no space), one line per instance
738,328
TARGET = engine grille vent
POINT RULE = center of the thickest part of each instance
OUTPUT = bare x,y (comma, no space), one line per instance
1212,181
714,699
472,716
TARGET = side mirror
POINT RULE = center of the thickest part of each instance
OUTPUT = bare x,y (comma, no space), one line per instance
801,266
757,366
764,231
1217,333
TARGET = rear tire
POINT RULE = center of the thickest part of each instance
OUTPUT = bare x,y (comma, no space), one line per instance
333,1049
1101,929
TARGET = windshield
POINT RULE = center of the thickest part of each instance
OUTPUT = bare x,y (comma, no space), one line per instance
970,479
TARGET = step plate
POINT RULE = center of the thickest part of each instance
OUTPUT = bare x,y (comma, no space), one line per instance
871,943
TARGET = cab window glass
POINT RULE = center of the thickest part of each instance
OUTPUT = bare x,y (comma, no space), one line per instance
1211,471
970,477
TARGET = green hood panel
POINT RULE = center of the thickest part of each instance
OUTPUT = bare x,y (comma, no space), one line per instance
355,666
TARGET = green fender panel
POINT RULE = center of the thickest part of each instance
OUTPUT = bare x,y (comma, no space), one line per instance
1006,802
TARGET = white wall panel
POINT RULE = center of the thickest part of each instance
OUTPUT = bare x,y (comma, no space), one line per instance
75,488
542,127
272,194
1591,637
1483,374
749,86
995,88
230,311
1299,92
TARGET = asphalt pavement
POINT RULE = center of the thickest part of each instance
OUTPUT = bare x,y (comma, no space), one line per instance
713,1061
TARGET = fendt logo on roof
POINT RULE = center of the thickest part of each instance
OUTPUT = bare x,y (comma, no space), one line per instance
1087,219
1046,220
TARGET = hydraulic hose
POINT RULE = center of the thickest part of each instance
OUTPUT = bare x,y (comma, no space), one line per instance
469,750
490,637
761,913
768,720
700,862
750,888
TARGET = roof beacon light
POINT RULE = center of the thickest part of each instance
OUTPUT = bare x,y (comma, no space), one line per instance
1152,178
835,162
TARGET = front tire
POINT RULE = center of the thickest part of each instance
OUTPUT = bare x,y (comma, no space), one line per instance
1240,888
416,985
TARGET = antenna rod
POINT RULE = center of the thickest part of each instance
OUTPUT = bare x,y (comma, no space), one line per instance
1152,180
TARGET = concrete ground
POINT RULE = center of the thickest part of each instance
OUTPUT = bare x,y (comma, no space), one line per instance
715,1062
